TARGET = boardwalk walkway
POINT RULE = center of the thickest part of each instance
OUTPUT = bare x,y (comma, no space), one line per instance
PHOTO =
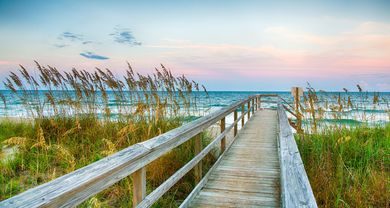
261,168
249,173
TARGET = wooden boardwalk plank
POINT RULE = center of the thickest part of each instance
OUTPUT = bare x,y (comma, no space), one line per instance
249,173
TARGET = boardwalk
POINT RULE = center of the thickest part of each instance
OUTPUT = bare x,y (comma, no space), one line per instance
261,168
249,173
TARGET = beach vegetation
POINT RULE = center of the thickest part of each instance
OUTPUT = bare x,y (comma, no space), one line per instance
347,161
348,167
75,118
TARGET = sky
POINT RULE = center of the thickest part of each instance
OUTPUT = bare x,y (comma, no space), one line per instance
225,45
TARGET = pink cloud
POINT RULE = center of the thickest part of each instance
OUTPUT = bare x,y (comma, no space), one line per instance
285,53
5,62
365,48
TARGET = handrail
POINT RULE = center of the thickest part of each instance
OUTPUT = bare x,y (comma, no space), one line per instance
204,180
157,193
295,186
75,187
285,101
290,111
297,114
265,95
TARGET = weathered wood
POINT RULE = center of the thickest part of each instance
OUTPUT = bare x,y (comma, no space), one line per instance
255,103
73,188
269,95
197,150
285,102
288,110
251,180
222,199
260,101
240,162
201,184
242,117
67,190
139,186
164,187
266,95
253,106
249,109
295,187
297,92
235,126
223,141
204,180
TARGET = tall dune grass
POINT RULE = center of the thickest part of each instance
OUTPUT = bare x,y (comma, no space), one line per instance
347,162
77,93
348,167
78,117
320,108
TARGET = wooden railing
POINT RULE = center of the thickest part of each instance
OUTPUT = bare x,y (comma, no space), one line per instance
295,187
295,112
74,188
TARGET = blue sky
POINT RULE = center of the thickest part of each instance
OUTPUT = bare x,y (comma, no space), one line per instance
226,45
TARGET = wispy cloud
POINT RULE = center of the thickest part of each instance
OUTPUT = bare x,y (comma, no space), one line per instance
91,55
125,36
87,42
70,36
60,45
66,39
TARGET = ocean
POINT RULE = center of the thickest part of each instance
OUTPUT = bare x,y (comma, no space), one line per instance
364,109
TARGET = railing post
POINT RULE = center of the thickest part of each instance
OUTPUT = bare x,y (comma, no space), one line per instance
139,186
255,99
249,109
253,106
198,149
242,117
223,141
259,103
235,125
296,100
297,92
